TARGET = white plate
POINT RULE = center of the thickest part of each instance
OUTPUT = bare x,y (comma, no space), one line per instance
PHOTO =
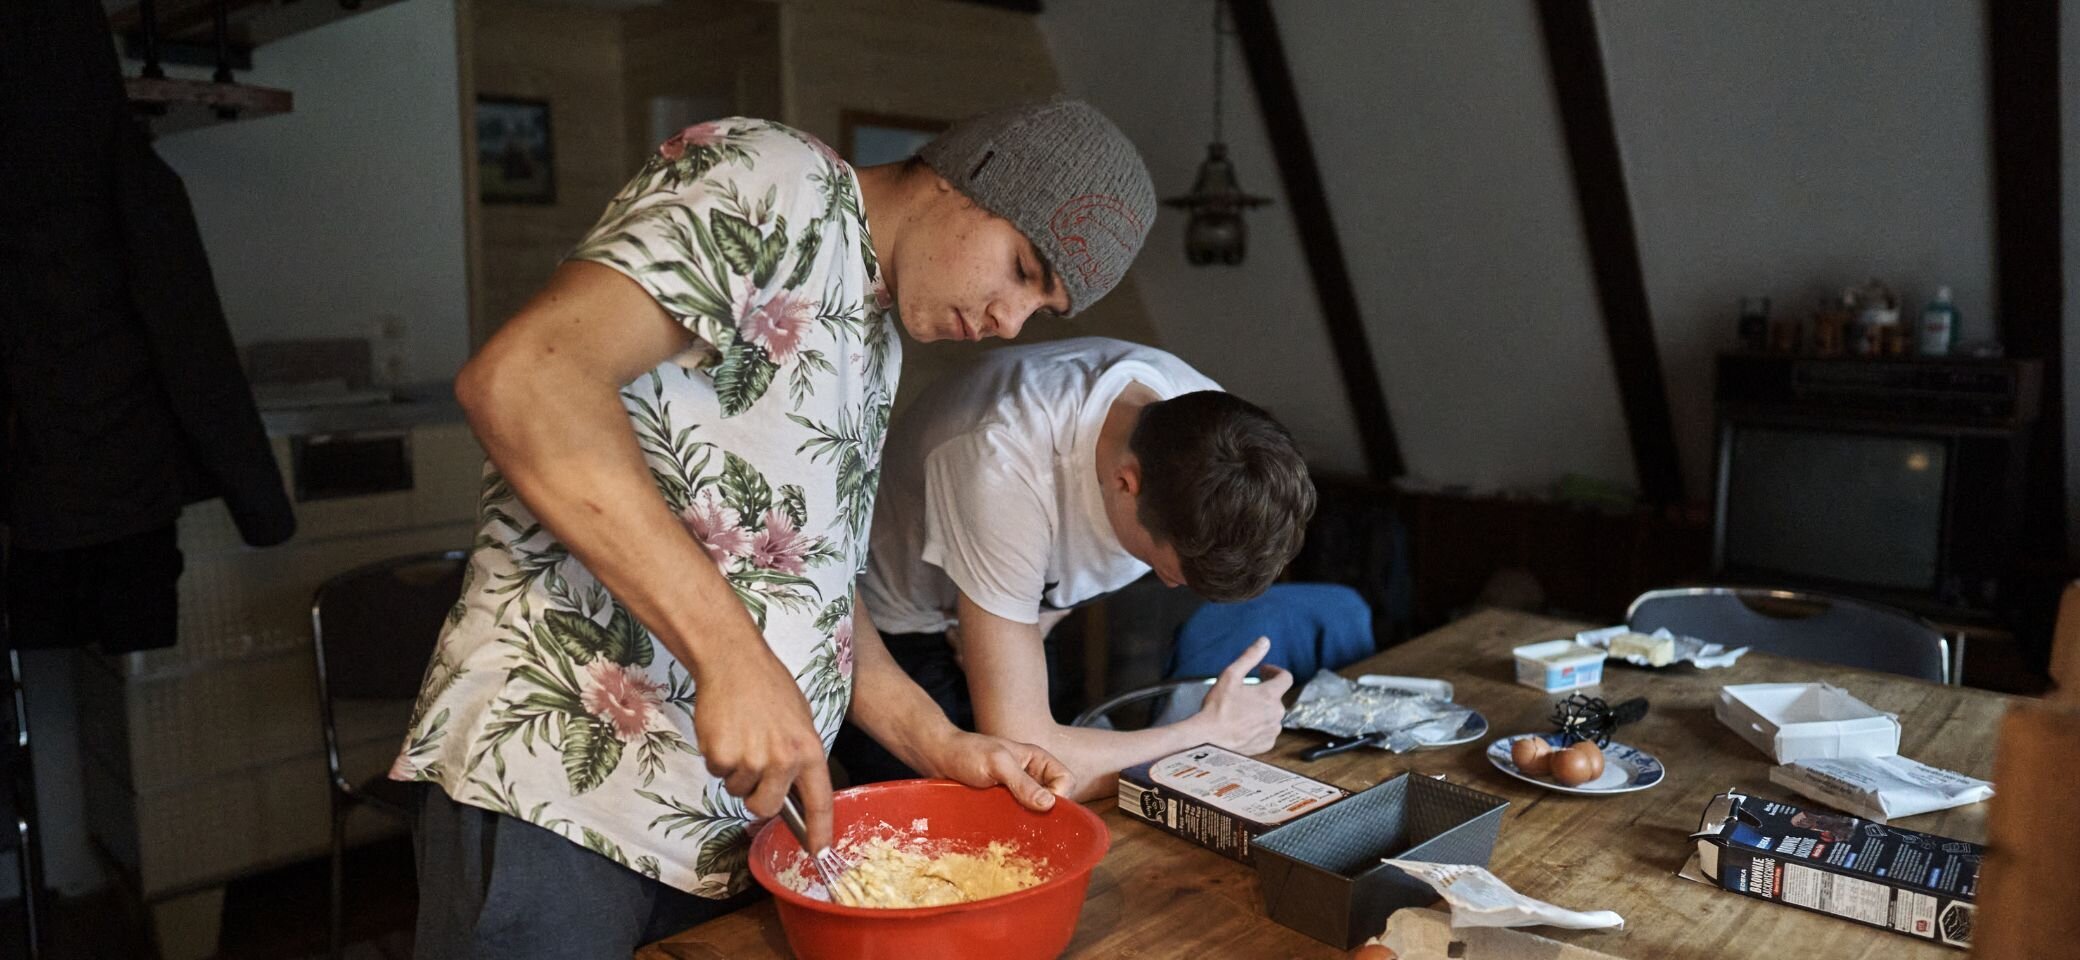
1474,728
1625,769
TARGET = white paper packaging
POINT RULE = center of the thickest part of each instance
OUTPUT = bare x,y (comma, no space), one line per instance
1420,933
1690,650
1880,788
1480,899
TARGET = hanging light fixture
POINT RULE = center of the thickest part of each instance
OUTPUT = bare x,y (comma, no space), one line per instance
1216,233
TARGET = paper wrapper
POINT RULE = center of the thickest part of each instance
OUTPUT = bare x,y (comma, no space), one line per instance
1689,650
1880,788
1480,899
1424,934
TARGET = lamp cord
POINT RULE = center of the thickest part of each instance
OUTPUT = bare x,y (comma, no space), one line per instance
1219,7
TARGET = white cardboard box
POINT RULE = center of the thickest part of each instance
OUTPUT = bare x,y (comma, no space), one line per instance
1804,721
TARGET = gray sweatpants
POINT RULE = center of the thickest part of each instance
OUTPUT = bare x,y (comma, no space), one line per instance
491,886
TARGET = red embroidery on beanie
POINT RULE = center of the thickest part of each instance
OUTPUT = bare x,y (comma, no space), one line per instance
1088,224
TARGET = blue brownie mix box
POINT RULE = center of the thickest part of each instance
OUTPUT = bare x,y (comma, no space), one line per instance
1909,882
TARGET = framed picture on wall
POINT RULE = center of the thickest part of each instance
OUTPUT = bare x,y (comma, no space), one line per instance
874,138
515,161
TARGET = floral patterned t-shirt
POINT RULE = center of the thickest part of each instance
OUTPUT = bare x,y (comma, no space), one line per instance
544,699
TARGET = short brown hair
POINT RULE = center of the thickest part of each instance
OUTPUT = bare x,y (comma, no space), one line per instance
1222,483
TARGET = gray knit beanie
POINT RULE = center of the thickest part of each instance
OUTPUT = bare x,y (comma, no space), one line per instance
1065,176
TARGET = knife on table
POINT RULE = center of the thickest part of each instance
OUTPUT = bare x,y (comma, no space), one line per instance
1364,740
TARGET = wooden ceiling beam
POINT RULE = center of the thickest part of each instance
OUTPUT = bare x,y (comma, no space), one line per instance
1271,75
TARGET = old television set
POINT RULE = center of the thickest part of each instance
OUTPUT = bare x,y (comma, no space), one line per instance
1896,479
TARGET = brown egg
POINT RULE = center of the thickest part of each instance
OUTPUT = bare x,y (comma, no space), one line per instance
1532,755
1588,748
1373,951
1573,768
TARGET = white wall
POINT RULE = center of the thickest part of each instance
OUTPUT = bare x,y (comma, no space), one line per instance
1778,147
1436,133
1434,129
1255,328
320,221
1788,148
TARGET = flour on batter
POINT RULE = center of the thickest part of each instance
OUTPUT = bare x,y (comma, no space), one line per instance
893,872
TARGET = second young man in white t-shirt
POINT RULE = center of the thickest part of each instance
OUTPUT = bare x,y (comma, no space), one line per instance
1043,477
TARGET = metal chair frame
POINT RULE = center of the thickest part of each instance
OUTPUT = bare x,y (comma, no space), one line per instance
1150,692
28,835
1951,646
346,796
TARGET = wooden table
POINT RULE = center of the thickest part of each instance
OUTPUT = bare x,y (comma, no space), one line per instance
1156,896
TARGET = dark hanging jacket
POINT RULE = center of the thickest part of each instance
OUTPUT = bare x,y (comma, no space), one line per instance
123,391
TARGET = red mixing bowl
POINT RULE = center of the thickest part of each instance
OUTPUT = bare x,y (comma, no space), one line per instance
1035,923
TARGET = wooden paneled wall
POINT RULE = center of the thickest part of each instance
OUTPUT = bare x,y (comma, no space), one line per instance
570,56
724,50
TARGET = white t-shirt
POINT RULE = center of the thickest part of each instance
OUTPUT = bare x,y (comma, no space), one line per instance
989,485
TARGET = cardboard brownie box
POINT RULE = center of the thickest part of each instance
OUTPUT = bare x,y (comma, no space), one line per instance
1220,799
1909,882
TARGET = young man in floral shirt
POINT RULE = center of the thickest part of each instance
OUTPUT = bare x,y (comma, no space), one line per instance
658,635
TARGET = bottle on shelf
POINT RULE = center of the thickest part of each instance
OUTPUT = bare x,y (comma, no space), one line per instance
1938,325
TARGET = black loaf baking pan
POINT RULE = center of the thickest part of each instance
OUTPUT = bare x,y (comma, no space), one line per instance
1322,875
